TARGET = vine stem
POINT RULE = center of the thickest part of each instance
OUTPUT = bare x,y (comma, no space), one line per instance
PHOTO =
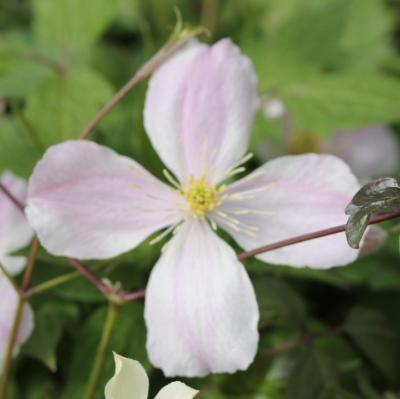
310,236
176,42
102,350
18,318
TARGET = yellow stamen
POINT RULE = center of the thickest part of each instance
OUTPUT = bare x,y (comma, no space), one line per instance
201,195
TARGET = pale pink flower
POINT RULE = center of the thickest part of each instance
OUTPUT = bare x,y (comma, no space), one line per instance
86,201
15,233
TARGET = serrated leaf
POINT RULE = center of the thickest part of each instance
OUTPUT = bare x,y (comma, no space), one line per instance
366,47
62,106
67,25
22,67
328,102
313,376
377,197
18,151
371,332
278,302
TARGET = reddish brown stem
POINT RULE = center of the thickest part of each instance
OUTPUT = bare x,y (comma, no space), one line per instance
310,236
90,276
11,197
132,296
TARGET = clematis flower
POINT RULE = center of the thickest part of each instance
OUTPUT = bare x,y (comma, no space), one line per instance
86,201
130,381
15,233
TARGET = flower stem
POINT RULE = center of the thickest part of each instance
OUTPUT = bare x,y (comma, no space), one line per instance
18,318
55,282
102,350
310,236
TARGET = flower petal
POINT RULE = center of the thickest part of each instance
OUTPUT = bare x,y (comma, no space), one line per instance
8,304
13,264
176,390
129,381
201,310
86,201
290,196
15,231
200,107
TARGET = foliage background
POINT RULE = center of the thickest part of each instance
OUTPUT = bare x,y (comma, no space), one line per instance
335,64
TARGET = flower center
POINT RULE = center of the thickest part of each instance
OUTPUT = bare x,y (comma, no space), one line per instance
201,195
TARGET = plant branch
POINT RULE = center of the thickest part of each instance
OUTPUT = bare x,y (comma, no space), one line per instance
91,277
12,197
176,42
18,318
102,350
310,236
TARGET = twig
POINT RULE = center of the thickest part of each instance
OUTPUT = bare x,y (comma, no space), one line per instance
102,350
91,277
310,236
176,42
18,318
12,197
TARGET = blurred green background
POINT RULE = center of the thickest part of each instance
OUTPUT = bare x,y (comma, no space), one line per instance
324,66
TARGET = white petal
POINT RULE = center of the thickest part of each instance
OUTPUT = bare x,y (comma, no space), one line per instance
15,231
130,380
201,311
13,264
8,305
200,107
176,390
290,196
86,201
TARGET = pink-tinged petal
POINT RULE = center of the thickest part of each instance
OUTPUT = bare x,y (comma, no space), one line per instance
200,107
290,196
373,151
13,264
15,231
201,311
86,201
8,304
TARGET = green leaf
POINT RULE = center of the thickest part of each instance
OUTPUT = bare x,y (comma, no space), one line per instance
62,106
50,320
331,102
128,339
371,332
18,151
367,47
67,25
22,67
377,197
311,36
278,302
312,377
